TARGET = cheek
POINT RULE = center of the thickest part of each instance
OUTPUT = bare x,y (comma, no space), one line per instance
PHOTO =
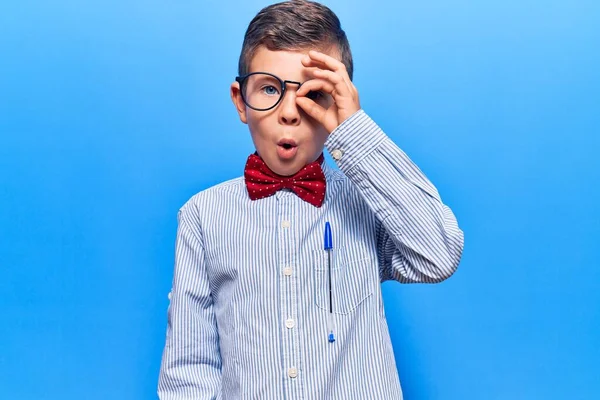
260,119
255,123
260,127
321,134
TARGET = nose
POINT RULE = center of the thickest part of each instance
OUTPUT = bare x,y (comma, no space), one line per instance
289,114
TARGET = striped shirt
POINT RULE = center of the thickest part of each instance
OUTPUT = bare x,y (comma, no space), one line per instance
249,314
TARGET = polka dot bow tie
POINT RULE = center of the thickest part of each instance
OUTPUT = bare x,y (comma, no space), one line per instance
308,183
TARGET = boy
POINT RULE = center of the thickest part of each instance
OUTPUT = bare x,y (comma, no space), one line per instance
264,304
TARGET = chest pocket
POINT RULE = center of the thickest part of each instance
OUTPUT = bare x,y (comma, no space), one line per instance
351,280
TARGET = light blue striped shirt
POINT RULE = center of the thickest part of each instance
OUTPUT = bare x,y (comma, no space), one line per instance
249,310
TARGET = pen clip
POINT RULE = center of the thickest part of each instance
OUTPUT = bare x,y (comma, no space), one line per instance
327,238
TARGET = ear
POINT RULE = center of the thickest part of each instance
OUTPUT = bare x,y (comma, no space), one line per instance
236,97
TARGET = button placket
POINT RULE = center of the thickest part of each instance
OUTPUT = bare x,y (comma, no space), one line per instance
288,312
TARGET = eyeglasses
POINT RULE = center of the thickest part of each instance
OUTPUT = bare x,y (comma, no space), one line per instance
263,91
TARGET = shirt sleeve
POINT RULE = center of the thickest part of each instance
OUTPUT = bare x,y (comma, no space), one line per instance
191,361
418,236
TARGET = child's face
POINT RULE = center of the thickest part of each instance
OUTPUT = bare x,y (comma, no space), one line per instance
274,130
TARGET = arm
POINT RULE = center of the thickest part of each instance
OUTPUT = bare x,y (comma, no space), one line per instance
191,363
418,237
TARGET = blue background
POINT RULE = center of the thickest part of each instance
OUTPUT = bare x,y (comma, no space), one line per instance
114,113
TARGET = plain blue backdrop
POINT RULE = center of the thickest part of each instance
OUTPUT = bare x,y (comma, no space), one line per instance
114,113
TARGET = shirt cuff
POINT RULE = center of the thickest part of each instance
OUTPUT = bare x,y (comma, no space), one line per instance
353,140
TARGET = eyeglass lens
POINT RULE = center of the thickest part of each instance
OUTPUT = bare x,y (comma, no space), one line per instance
263,91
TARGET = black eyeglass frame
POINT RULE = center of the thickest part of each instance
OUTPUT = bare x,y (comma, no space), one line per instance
241,79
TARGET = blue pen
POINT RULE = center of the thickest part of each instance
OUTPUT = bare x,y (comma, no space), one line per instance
328,249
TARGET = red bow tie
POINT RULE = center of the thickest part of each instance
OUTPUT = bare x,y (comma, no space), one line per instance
308,183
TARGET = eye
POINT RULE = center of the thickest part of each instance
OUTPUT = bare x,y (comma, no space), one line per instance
270,90
315,95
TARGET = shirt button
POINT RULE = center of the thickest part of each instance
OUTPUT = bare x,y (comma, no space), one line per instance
292,372
287,271
289,323
336,154
286,224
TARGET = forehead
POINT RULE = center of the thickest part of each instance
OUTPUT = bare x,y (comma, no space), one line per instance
286,64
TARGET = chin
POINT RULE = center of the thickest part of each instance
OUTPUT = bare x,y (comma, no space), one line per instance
287,167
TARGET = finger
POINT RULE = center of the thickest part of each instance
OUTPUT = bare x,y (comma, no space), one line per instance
310,63
315,85
328,62
341,88
314,65
312,109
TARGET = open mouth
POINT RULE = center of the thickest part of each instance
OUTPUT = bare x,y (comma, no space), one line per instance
286,149
287,144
